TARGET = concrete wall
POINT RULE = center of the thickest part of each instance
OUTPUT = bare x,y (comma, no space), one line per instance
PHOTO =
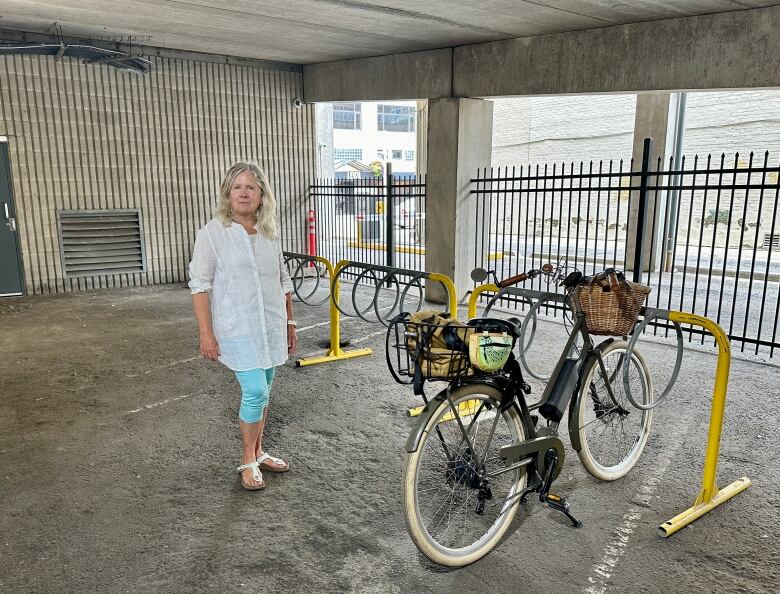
92,137
562,129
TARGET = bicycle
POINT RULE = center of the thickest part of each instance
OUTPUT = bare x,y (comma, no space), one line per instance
476,450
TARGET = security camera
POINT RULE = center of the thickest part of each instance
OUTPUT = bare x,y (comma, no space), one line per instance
297,103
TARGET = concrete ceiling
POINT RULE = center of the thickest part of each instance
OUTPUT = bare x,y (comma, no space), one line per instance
311,31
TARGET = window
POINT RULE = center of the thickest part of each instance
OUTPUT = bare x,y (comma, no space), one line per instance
346,116
347,154
380,154
409,156
397,155
395,118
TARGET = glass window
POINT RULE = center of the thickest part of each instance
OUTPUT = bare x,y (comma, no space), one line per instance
395,118
380,154
347,154
409,156
346,116
397,155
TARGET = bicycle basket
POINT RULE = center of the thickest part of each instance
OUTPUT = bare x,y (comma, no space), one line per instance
435,343
610,303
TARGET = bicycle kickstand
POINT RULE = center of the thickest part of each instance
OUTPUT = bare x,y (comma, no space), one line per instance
552,500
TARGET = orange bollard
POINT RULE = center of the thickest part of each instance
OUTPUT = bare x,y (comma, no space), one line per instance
312,236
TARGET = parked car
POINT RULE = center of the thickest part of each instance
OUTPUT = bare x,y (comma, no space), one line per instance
405,213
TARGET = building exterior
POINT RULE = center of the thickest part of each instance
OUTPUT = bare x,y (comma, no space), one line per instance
600,128
375,131
577,128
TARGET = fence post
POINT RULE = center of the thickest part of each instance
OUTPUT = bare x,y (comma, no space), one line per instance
389,238
641,223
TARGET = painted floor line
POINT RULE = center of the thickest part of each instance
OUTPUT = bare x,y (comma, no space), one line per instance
602,570
158,367
367,336
156,404
313,326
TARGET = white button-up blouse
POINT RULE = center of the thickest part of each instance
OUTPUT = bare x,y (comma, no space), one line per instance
248,281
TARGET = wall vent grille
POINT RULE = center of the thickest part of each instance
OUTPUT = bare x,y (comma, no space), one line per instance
100,242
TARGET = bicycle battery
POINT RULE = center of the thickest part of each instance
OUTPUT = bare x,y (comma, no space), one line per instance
565,384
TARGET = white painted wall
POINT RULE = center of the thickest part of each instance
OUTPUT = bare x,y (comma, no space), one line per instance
581,128
566,129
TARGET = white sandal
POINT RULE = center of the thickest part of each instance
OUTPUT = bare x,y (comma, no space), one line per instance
277,464
257,476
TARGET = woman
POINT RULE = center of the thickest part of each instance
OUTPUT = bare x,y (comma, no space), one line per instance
249,327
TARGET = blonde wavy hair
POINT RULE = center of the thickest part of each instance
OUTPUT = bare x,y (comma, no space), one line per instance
265,215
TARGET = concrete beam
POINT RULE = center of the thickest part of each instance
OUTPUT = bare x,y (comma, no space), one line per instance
719,51
415,75
730,50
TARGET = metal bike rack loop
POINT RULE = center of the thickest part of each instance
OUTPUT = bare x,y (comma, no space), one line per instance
335,352
392,279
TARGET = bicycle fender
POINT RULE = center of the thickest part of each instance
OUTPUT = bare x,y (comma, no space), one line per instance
574,434
413,441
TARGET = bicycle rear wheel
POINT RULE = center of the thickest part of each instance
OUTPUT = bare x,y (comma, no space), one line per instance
447,479
612,432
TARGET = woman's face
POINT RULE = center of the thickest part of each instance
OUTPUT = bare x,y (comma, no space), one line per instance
245,196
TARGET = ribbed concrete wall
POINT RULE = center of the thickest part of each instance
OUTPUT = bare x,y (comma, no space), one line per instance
92,137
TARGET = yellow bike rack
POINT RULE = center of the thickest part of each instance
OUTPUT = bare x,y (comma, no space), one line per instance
488,288
335,352
710,496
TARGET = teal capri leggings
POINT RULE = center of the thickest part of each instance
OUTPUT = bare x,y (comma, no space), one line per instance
255,386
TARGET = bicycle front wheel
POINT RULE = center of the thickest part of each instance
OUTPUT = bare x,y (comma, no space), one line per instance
459,499
612,432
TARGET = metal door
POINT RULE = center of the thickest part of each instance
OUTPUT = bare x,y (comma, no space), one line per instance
10,263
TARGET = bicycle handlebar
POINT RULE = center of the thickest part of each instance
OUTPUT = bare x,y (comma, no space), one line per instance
524,276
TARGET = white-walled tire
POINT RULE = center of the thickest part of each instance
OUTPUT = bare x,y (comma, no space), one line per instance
439,505
613,434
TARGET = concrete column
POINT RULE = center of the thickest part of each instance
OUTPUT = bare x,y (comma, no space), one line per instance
460,134
652,120
421,167
323,116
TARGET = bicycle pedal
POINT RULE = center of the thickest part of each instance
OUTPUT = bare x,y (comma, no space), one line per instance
560,504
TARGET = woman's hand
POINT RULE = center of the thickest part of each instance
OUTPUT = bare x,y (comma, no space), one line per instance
209,347
292,340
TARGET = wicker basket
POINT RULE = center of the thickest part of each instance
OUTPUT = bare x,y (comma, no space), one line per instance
611,304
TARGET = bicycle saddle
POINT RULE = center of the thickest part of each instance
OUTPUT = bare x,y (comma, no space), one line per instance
509,325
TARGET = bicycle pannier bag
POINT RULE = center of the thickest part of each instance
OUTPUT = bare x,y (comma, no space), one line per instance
489,351
442,343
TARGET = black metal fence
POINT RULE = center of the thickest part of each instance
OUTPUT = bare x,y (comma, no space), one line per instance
373,221
703,236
